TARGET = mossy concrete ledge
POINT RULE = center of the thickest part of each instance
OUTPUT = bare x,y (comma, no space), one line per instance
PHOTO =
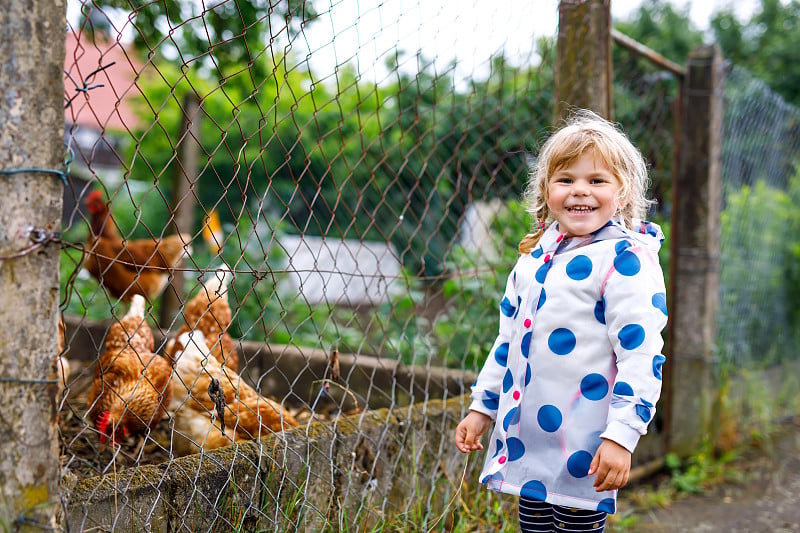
363,469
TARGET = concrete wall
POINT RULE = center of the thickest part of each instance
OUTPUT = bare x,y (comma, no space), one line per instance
364,469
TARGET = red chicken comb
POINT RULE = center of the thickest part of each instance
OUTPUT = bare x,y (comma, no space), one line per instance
95,201
102,425
94,195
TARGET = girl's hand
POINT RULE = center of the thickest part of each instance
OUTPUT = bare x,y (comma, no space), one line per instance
469,431
612,464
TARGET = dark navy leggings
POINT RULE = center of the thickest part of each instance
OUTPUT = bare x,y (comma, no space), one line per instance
541,517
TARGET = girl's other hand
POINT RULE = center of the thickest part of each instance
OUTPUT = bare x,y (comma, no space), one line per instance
470,430
612,464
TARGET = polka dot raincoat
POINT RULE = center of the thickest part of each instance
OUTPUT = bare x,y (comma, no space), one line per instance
577,359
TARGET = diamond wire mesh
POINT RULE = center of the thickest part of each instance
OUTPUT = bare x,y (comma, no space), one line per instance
758,315
359,183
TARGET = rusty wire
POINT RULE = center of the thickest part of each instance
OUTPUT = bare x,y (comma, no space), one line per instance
366,214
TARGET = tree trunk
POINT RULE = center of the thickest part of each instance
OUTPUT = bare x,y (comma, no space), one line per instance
31,158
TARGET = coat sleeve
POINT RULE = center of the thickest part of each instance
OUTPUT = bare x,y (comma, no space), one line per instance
486,389
635,313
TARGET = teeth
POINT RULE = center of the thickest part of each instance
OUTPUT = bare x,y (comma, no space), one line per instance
581,209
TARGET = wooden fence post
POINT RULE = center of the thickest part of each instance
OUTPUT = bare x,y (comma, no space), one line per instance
694,279
31,188
183,203
583,73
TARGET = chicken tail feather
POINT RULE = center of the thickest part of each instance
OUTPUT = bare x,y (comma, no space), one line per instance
219,281
136,309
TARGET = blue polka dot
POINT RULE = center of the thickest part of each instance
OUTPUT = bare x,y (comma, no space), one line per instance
594,387
623,389
549,418
525,345
561,341
542,298
491,401
515,448
631,336
507,308
498,447
541,274
627,263
497,476
658,363
527,375
660,302
607,505
508,381
511,418
537,253
621,246
600,311
501,354
534,490
643,412
578,463
579,268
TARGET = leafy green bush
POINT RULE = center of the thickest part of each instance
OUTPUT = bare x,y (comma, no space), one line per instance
759,310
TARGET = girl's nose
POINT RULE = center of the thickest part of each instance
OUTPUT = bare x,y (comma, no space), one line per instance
579,189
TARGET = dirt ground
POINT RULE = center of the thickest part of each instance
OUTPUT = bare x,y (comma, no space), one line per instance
766,499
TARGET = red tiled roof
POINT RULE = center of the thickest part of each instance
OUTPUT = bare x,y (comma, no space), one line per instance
107,107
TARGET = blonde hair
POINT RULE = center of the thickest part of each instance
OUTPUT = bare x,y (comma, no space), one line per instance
584,132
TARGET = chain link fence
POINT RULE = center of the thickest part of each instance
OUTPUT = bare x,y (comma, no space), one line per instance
759,300
330,199
759,313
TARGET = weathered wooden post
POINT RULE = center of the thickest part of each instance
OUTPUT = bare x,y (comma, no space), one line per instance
694,286
31,160
583,73
183,202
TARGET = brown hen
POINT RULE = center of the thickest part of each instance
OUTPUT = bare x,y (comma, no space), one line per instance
132,386
210,313
212,406
127,267
62,363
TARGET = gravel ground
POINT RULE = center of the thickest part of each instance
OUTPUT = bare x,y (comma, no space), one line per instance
767,499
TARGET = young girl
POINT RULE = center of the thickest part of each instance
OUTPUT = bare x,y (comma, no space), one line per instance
574,375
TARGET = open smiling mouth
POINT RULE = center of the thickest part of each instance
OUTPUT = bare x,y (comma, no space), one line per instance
581,209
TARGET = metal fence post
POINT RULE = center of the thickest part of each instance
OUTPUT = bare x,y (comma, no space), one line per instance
694,286
31,160
583,74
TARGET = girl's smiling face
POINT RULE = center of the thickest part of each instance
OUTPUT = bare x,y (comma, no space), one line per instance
583,196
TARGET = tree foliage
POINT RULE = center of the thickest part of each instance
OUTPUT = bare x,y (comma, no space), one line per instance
216,35
767,44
